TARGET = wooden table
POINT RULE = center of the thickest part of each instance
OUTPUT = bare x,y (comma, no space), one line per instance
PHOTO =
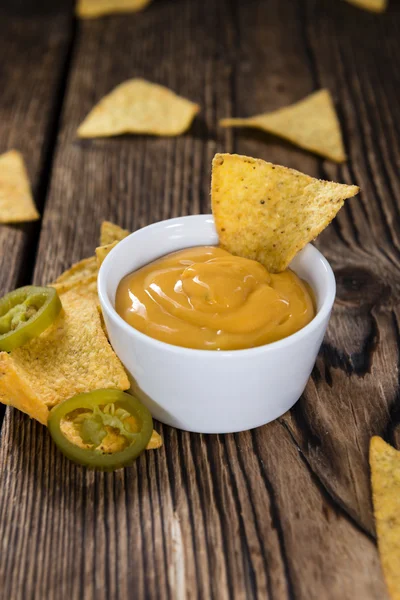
283,511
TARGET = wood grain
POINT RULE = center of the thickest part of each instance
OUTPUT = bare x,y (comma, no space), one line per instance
354,391
284,511
34,51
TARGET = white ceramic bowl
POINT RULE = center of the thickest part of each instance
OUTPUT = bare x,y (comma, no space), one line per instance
202,390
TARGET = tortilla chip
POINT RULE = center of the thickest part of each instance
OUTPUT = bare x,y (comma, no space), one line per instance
138,106
81,277
16,202
91,9
311,124
86,287
110,233
102,321
72,356
385,479
102,251
80,270
267,212
371,5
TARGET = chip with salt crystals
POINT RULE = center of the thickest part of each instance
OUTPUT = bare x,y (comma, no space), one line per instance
385,480
371,5
267,212
91,9
16,202
109,233
72,356
311,124
138,106
102,251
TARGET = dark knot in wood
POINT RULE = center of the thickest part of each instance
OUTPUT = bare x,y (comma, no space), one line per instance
359,287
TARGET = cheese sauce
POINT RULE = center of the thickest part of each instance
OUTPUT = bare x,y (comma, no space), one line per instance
206,298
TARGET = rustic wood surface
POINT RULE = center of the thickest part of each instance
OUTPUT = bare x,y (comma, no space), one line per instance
283,511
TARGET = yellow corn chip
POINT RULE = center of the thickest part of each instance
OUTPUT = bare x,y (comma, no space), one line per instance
81,277
91,9
385,479
371,5
267,212
102,251
110,233
85,287
155,441
16,202
138,106
80,270
102,322
72,356
311,123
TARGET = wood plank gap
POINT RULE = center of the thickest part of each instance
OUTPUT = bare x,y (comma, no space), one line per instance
29,252
275,517
28,265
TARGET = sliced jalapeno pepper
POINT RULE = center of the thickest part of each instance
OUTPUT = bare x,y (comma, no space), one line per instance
103,429
25,313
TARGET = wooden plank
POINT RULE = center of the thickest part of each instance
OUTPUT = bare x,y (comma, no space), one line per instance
354,391
34,50
239,516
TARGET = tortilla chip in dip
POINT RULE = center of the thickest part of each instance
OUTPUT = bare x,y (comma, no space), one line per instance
138,106
16,201
268,213
72,356
311,124
91,9
370,5
385,479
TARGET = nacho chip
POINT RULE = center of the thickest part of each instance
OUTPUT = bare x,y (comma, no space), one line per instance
371,5
86,287
81,277
91,9
72,356
16,202
110,233
269,213
80,270
102,251
311,124
385,479
138,106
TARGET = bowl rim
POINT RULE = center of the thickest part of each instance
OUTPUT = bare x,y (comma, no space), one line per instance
106,305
